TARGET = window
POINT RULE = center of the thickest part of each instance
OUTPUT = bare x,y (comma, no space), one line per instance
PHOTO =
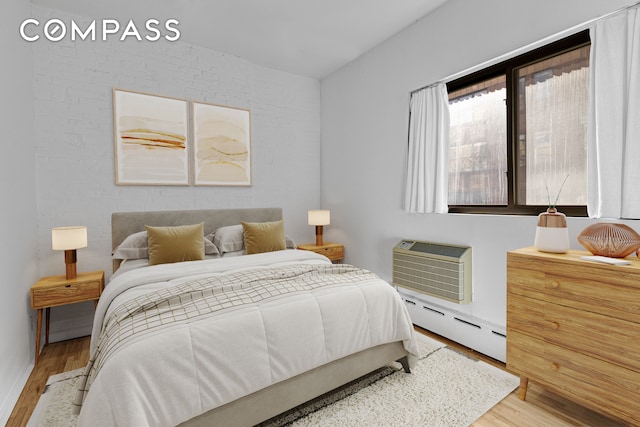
518,133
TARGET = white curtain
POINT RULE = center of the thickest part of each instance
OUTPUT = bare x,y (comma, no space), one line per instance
614,117
427,171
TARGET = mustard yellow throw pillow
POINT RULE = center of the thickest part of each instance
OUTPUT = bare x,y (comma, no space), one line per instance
175,244
263,237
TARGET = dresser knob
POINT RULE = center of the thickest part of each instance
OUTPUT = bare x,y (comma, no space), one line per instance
553,284
555,366
555,325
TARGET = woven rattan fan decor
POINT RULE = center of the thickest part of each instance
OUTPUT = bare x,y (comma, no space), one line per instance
610,239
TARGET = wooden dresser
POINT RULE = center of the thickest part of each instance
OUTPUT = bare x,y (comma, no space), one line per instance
573,326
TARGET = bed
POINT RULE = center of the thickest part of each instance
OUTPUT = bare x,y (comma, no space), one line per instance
236,336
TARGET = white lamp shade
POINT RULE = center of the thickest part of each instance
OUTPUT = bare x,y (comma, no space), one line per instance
65,238
319,217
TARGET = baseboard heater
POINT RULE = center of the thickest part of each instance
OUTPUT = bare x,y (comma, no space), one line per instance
473,332
435,269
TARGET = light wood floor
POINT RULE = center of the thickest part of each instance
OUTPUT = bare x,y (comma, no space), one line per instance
55,358
541,408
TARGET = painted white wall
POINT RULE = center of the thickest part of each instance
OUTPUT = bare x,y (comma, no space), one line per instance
364,137
18,216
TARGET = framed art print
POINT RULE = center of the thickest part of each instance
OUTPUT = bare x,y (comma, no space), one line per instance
221,145
151,139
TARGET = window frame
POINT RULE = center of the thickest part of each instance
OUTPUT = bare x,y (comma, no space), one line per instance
508,68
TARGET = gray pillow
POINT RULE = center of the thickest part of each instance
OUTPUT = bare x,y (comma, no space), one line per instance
135,246
231,239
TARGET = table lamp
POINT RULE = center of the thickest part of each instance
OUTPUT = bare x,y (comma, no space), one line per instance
69,239
319,218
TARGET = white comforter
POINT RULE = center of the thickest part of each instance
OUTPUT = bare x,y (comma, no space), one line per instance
166,377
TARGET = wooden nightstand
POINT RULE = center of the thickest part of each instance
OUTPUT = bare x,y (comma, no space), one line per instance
333,251
52,291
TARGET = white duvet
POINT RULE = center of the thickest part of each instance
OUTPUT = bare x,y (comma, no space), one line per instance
165,377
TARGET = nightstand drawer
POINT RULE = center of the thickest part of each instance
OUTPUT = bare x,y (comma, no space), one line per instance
52,291
66,294
333,253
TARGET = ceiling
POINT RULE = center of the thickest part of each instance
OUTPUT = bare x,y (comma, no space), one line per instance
311,38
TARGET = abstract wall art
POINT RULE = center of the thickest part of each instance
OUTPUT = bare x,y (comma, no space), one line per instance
222,145
151,139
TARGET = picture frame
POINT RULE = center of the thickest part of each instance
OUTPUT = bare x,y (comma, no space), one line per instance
221,145
151,137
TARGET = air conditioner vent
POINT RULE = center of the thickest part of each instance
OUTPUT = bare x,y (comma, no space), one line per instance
435,269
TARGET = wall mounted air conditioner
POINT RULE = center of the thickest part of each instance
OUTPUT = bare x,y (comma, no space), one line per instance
435,269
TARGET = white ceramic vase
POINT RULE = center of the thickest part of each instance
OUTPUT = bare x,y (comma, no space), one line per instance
552,234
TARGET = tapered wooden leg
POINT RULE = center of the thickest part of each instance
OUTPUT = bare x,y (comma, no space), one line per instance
38,331
522,391
46,334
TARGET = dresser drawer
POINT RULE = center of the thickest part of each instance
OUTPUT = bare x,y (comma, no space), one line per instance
586,380
51,296
527,315
609,290
593,334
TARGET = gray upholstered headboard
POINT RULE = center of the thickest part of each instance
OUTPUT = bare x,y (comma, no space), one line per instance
125,223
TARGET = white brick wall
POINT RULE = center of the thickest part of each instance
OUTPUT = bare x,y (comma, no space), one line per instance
72,88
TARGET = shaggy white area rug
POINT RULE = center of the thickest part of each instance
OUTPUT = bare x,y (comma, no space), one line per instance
446,388
54,408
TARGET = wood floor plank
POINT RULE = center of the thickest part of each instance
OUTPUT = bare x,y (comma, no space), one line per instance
542,408
55,358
